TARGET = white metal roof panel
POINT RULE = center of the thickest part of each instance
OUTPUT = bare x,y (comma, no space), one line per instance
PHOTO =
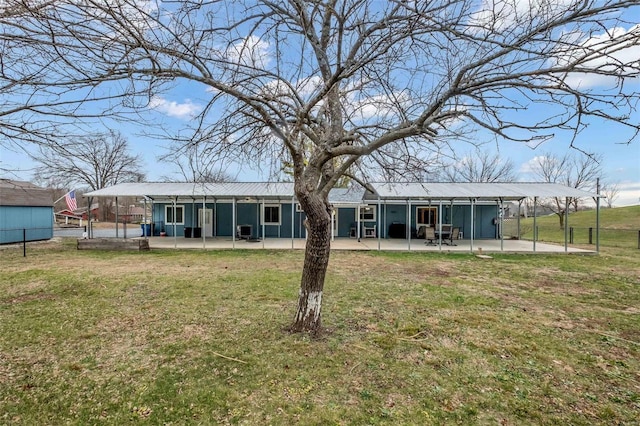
506,191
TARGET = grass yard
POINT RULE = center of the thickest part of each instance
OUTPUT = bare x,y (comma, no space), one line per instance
198,337
619,227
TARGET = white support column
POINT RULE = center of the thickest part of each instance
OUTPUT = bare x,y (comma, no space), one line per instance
263,225
409,224
203,221
472,230
117,217
233,223
535,224
293,220
379,217
566,224
358,222
440,225
175,230
500,223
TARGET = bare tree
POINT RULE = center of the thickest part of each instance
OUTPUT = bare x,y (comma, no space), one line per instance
195,164
577,171
480,166
95,161
336,87
611,191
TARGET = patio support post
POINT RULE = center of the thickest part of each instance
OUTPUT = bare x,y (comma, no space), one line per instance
358,222
293,220
566,224
215,212
501,229
598,220
89,230
519,209
175,228
409,224
385,218
378,215
263,225
116,217
535,224
440,225
233,223
472,229
144,222
203,220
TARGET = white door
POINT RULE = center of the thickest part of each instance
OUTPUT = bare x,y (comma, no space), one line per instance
207,227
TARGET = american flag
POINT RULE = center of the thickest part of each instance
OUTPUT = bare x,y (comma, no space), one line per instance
70,198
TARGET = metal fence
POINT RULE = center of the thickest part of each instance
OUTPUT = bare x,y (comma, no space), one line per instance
25,235
609,237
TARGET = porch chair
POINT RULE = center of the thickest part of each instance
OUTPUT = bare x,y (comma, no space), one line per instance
429,234
453,235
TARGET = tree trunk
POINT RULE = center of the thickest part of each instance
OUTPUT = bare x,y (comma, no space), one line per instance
316,260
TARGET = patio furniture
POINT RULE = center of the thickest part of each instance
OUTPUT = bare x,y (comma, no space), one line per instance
428,233
369,231
455,233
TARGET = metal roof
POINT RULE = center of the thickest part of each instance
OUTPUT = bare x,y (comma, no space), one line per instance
158,190
461,190
385,191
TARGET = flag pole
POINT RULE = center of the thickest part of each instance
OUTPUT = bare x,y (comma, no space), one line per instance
65,194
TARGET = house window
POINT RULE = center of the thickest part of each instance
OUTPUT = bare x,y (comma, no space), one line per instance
271,215
368,213
168,214
427,215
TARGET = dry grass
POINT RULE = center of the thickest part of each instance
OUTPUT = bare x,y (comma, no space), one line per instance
172,337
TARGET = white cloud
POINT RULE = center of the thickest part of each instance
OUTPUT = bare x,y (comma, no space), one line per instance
251,52
629,194
498,15
617,53
185,110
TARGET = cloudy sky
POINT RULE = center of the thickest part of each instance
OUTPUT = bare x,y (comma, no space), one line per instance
621,161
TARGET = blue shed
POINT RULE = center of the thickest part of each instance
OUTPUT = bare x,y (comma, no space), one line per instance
26,211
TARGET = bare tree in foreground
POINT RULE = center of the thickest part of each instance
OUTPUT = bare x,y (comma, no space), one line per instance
576,171
333,87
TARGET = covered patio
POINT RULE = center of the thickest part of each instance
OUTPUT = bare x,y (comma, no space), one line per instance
462,246
275,221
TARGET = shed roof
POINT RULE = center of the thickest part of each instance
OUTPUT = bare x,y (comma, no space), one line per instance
467,190
19,193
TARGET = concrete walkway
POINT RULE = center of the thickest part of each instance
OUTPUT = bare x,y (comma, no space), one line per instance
479,246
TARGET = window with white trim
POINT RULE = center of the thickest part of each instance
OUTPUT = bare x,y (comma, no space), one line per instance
368,213
168,215
271,214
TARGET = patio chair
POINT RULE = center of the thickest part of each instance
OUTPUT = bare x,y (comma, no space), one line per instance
453,235
429,234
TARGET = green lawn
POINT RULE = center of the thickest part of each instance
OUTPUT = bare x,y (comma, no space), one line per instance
199,337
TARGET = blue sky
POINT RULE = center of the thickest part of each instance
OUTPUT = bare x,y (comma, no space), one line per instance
621,162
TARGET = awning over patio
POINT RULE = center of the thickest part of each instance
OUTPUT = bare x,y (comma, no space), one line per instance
512,191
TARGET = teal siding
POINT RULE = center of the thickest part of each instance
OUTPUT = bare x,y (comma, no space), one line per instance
248,213
38,222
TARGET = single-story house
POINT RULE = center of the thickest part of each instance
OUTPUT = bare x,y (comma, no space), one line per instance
26,212
385,210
